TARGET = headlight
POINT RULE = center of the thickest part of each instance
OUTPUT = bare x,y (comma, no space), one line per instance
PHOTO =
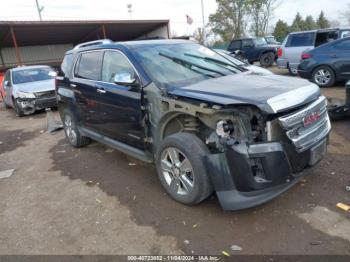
224,128
22,94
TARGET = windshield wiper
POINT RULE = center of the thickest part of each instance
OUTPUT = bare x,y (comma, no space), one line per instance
218,62
186,62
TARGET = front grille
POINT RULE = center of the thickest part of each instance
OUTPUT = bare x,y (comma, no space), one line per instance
305,136
46,94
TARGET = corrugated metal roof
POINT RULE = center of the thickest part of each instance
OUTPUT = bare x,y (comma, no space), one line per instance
74,32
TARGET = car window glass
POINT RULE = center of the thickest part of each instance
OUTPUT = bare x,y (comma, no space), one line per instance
303,39
345,34
247,43
67,64
115,63
342,45
31,75
90,65
235,45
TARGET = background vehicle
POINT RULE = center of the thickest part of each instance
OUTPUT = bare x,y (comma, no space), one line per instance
207,124
29,88
255,50
232,57
327,63
289,54
271,40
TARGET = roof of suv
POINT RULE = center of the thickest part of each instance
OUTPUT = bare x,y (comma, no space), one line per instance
132,44
318,30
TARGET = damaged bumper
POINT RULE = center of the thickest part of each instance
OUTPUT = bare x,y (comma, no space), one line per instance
246,175
29,106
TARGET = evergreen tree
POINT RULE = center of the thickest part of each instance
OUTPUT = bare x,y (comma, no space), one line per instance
298,23
322,21
281,30
310,23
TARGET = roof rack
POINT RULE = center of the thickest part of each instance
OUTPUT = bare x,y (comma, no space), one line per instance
97,42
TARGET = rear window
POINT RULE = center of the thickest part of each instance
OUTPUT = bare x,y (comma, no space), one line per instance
303,39
235,45
89,66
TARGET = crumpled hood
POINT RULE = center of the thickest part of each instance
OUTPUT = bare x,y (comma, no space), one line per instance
271,93
37,86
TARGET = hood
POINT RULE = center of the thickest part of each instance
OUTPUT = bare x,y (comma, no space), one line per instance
271,93
258,70
37,86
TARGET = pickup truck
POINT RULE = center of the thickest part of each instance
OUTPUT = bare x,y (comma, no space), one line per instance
207,124
255,50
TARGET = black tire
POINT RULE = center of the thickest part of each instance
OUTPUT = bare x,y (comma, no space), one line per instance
292,72
267,59
328,78
72,132
194,150
18,108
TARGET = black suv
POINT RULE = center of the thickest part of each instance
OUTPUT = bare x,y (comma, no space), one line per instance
255,50
209,125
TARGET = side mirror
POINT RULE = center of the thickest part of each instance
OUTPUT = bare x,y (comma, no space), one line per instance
125,79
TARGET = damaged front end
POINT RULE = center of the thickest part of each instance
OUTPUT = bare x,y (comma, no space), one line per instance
256,157
31,102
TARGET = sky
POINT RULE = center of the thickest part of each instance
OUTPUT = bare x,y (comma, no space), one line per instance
175,10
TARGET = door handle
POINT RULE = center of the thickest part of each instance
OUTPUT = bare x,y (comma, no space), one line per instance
101,91
73,85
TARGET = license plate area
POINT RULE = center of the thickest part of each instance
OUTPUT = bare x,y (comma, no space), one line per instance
318,152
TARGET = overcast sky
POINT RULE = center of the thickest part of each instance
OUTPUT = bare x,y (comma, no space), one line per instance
175,10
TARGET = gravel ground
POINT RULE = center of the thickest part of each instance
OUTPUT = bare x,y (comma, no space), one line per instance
95,200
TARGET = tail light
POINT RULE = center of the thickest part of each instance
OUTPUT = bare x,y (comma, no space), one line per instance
305,56
279,52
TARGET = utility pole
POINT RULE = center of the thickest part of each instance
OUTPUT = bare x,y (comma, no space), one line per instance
39,8
203,20
129,6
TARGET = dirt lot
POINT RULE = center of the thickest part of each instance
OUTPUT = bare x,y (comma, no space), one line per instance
48,206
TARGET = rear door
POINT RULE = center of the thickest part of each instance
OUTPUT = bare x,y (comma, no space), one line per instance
121,105
87,72
249,50
340,53
296,44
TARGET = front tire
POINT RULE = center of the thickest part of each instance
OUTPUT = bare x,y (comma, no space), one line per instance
323,76
18,108
181,168
267,59
72,132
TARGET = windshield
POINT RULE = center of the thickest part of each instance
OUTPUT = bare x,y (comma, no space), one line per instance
183,64
31,75
260,41
270,39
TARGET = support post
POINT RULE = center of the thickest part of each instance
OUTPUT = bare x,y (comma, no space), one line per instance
18,54
104,31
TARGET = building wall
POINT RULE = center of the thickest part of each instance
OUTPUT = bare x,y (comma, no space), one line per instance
162,32
34,54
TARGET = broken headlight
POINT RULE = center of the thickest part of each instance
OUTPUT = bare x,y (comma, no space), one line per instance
25,95
224,128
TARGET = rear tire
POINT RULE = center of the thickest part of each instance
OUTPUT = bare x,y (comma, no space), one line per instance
323,76
181,168
267,59
72,132
292,72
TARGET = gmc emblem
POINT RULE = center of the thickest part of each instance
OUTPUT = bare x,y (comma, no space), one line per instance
310,119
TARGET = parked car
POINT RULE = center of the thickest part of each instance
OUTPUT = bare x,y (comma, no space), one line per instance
207,124
29,88
296,43
271,40
255,50
232,57
327,63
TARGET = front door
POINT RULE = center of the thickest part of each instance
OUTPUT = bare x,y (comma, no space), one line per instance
120,104
86,74
340,52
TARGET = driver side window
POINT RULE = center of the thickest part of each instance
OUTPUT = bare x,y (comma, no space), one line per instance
114,63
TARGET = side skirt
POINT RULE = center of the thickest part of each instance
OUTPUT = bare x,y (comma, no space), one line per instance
124,148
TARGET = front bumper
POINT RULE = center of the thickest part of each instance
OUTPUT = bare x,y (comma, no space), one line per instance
29,106
246,175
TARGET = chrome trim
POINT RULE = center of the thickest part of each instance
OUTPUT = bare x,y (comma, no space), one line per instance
292,98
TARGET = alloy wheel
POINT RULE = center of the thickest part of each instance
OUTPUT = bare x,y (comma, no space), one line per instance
323,77
177,171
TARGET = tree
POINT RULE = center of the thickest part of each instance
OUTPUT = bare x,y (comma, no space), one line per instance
346,14
298,23
199,36
281,30
322,21
309,23
229,20
261,12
